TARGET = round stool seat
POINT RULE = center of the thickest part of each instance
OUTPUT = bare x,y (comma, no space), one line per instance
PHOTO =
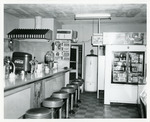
61,94
73,86
68,89
38,113
77,83
80,80
52,102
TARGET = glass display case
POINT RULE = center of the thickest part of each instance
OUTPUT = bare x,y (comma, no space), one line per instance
128,67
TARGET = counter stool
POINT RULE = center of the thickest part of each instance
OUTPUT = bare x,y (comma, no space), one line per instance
53,103
76,93
82,81
79,79
65,96
38,113
71,91
79,84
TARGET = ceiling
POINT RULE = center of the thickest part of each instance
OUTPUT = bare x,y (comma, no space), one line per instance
64,13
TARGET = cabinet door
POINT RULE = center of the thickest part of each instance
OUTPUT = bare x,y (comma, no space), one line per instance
136,67
119,70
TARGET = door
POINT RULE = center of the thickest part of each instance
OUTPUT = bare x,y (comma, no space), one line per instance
74,62
128,67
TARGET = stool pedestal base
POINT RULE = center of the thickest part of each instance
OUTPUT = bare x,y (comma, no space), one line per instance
72,112
77,106
79,101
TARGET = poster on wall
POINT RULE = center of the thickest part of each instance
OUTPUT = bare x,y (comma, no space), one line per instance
62,50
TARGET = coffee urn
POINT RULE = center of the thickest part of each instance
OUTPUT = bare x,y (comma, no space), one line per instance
21,61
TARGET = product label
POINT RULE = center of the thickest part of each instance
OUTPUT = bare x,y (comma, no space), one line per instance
18,61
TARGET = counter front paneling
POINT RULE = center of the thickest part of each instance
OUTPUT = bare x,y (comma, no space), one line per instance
29,91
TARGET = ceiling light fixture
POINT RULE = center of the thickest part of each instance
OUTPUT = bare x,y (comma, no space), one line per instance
92,16
97,37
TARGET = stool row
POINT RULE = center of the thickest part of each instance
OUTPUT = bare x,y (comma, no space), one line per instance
68,96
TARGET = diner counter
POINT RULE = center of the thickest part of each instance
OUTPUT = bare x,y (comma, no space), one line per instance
25,92
30,78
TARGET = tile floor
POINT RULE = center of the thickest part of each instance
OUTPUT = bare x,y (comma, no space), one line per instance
91,107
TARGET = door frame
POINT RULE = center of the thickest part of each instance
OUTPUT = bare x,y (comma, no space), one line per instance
77,60
83,55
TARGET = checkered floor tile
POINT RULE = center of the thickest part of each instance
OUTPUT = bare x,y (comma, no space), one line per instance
91,107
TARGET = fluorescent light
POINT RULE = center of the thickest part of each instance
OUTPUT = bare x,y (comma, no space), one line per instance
93,16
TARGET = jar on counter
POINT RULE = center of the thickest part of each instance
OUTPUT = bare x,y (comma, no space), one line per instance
46,69
49,59
7,70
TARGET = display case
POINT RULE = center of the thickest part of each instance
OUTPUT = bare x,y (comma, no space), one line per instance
128,67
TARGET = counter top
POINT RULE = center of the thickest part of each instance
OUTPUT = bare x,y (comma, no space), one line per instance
30,78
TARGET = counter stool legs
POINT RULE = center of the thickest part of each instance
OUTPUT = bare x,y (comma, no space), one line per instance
60,113
79,84
67,108
72,111
79,101
71,91
76,98
52,115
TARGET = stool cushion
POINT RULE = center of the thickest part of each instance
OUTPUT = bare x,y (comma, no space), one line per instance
61,94
68,89
73,86
77,82
52,102
80,80
38,113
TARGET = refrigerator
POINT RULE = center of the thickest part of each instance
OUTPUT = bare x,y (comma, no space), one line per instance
124,66
124,70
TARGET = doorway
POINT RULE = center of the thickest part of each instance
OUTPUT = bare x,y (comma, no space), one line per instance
77,61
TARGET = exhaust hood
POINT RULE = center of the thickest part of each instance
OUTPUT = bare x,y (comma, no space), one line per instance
30,34
36,33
